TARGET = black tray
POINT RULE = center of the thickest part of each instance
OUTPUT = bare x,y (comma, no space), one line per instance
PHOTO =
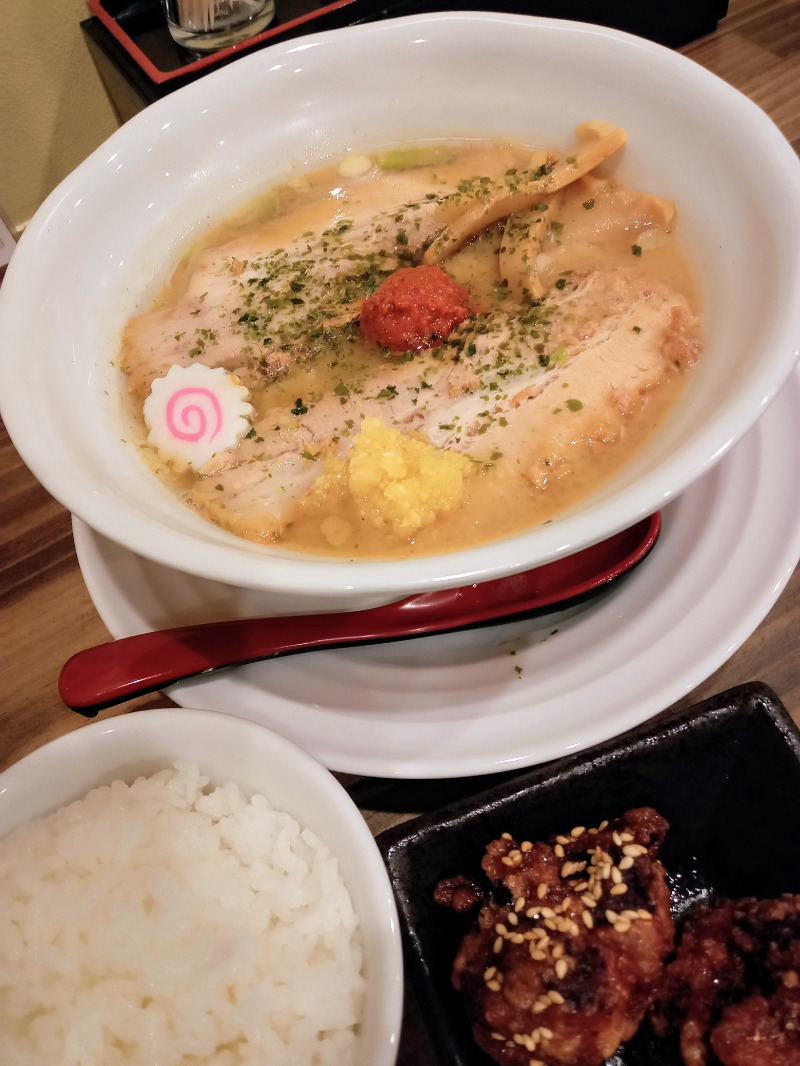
140,28
726,776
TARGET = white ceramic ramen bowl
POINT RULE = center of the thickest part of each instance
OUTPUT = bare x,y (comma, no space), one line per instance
230,749
106,239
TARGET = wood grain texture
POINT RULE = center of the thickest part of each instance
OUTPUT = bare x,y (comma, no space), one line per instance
47,613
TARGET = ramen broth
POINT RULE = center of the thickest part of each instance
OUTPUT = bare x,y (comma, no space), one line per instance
537,415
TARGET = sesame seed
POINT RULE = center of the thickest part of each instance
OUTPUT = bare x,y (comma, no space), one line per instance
498,945
616,876
581,887
541,890
603,824
518,1038
563,840
589,901
619,890
558,951
536,954
578,831
545,1033
587,919
538,1006
570,868
626,837
517,938
547,912
506,836
611,916
559,851
622,926
626,862
497,1036
525,845
529,1044
520,903
616,838
512,918
493,985
489,972
561,969
646,915
634,850
555,997
500,929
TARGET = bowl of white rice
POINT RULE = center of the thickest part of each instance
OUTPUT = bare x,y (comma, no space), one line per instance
185,887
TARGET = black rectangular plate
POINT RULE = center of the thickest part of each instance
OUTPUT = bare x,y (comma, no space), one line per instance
725,775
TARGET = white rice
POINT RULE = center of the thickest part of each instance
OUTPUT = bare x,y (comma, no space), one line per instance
165,924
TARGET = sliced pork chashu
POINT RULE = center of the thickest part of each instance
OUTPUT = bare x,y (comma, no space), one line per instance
261,302
534,388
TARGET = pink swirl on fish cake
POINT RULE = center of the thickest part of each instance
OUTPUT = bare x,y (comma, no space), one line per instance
190,421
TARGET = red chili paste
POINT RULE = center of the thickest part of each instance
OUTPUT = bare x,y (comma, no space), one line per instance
415,308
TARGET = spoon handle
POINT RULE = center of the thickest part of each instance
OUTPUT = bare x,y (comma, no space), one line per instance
110,673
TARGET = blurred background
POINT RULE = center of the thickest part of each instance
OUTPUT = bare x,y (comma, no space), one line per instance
54,110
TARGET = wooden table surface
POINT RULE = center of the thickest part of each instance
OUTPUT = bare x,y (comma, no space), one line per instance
47,613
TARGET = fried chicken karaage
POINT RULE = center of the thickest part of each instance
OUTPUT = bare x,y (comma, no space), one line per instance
732,993
565,970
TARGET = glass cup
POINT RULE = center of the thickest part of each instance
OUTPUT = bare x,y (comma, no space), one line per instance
208,25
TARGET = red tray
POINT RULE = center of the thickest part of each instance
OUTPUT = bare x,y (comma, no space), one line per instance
141,29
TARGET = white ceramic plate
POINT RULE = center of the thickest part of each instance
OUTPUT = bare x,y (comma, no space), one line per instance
513,695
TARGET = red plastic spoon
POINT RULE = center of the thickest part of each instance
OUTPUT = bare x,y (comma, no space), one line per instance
132,666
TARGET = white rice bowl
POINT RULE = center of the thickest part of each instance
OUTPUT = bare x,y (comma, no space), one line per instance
164,918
